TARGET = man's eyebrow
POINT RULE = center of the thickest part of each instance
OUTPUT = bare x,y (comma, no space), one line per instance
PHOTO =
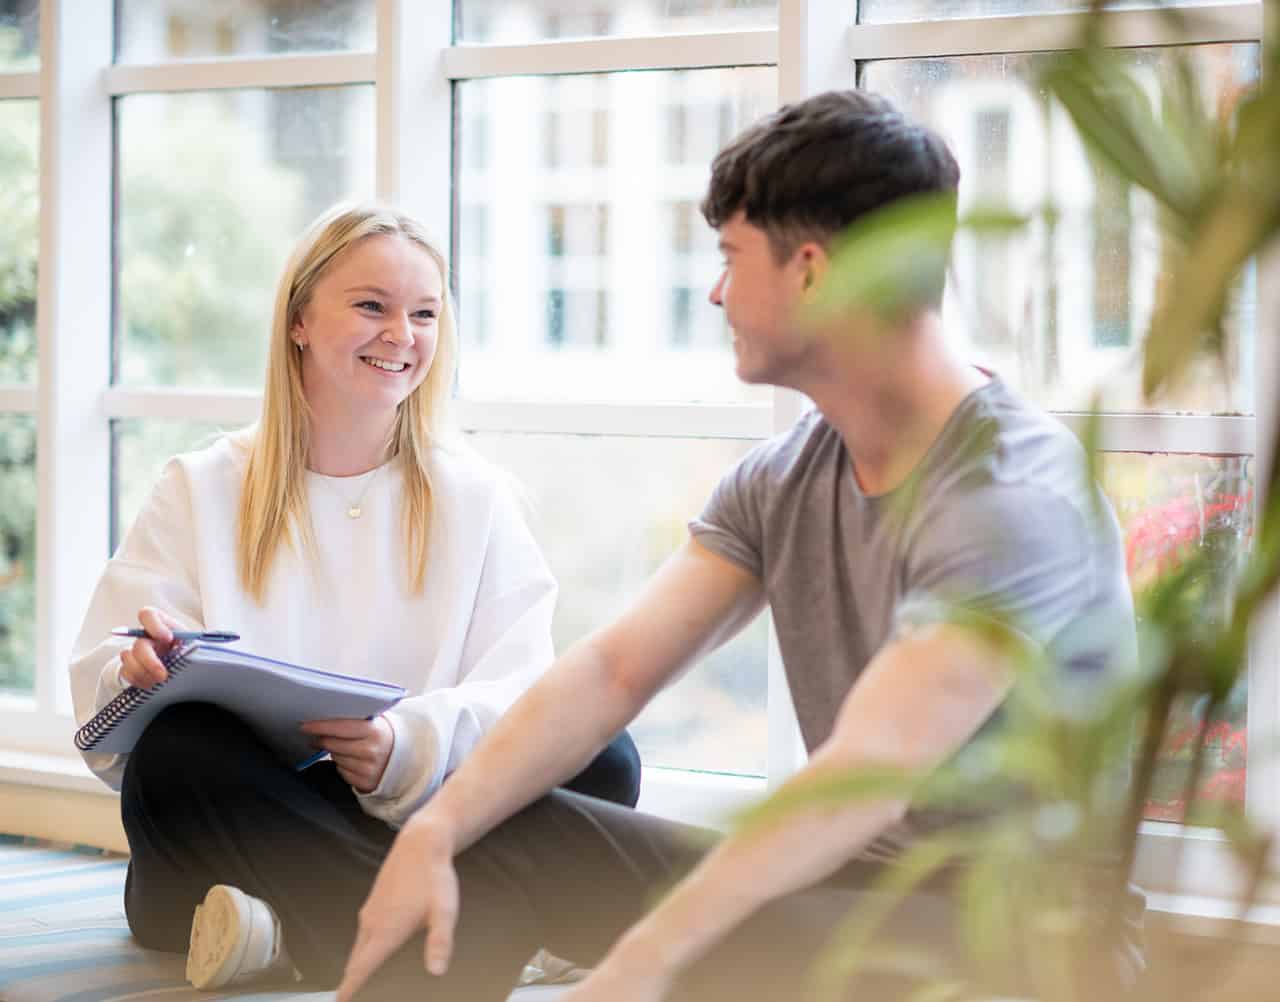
385,294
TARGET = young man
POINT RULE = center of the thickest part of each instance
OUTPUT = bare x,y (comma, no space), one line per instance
920,484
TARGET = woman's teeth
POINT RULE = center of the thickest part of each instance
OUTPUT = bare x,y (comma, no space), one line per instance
378,363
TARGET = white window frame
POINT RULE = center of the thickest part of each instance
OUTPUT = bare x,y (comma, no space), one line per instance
414,68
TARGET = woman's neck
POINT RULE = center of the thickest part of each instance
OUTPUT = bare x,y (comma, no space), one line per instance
348,448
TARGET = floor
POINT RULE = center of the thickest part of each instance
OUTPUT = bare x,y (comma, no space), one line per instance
63,936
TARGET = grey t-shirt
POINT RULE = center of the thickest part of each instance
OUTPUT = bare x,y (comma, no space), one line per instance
1000,519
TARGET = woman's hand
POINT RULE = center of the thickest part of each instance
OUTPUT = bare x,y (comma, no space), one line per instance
140,662
360,749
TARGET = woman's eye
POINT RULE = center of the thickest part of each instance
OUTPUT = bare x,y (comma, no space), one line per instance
425,315
370,304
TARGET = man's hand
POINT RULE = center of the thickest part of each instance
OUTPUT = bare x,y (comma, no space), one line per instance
416,888
360,749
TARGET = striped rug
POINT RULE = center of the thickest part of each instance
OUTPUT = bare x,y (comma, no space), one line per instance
64,938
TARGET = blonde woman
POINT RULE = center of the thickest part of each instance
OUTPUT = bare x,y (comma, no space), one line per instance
341,532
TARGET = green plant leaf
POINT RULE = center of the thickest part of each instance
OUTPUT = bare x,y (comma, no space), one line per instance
889,258
828,791
1115,118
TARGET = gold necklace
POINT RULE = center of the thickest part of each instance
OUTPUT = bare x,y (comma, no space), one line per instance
354,508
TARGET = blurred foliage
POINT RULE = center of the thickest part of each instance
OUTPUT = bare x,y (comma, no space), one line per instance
1044,876
198,255
19,241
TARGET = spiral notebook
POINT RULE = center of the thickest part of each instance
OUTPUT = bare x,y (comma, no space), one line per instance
272,697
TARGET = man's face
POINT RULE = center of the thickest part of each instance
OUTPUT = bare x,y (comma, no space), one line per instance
760,298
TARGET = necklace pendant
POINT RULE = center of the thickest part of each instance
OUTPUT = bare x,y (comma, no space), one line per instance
354,511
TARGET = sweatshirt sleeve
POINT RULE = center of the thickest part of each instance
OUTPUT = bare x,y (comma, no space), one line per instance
155,565
508,646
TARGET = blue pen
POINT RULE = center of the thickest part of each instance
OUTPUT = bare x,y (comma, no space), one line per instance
210,636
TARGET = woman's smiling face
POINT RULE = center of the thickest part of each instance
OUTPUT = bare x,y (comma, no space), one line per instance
369,330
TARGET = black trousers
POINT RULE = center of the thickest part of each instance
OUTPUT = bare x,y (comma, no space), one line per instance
205,802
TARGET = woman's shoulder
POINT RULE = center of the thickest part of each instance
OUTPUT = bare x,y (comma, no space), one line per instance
468,484
220,458
455,465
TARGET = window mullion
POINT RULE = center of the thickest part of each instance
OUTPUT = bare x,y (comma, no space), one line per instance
324,69
750,47
1018,33
812,51
415,112
73,321
19,85
1262,771
811,58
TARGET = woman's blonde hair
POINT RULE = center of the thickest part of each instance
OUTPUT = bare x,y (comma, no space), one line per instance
273,499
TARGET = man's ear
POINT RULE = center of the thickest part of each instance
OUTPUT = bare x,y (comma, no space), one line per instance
814,260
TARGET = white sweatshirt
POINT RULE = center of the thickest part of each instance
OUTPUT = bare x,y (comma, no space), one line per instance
466,647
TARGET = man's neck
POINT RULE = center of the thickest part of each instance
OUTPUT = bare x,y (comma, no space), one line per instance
347,445
891,408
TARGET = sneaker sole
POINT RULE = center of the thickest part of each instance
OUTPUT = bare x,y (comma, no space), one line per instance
220,934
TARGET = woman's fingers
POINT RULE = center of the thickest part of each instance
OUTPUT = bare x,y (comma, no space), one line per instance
139,665
159,627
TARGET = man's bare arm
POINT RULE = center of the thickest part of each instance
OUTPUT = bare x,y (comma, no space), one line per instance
695,602
692,604
919,701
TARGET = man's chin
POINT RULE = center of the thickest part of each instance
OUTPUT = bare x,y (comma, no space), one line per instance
748,373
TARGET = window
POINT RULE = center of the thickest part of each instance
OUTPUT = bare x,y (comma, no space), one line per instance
197,254
1181,476
19,35
592,185
17,553
152,30
592,364
19,243
526,21
582,245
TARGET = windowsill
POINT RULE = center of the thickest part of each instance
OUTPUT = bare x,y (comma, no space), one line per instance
54,772
1214,918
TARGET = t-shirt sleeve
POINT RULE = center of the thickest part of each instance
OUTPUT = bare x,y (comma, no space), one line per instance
731,522
1025,559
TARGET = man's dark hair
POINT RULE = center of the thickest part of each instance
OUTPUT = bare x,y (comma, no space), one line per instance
810,169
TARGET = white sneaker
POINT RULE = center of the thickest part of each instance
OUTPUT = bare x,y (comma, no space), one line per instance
235,938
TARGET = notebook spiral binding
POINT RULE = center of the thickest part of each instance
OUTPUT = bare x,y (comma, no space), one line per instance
114,713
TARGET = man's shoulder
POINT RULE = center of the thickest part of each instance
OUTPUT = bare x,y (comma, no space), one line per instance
791,454
1001,441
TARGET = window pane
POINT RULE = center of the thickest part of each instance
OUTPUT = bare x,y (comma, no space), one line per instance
1171,507
607,511
139,449
1054,342
538,20
215,188
17,553
876,11
19,35
19,238
154,30
583,261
